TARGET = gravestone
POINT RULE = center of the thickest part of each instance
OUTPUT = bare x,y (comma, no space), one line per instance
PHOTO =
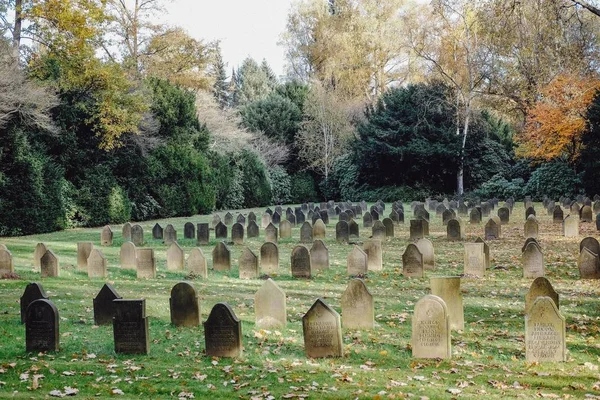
540,287
275,218
128,256
344,217
49,265
130,326
591,244
427,252
356,262
533,261
358,310
237,233
157,232
248,264
544,332
504,215
531,227
586,214
265,220
251,216
202,233
252,229
223,332
342,234
269,258
557,215
271,233
378,230
306,233
270,306
324,216
97,265
184,305
300,217
106,236
137,235
412,262
448,289
146,263
529,211
285,229
420,212
104,308
228,219
367,220
374,251
175,257
486,252
221,231
447,215
374,214
41,326
169,235
215,220
454,230
492,230
431,329
439,210
588,264
475,216
6,262
188,231
530,240
319,256
571,226
33,291
322,331
83,252
417,229
196,263
475,264
353,230
240,219
221,257
318,229
126,232
38,253
300,262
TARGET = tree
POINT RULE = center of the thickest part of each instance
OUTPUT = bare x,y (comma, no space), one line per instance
276,116
325,130
252,82
220,88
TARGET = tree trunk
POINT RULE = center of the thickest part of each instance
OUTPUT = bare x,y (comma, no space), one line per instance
17,29
460,185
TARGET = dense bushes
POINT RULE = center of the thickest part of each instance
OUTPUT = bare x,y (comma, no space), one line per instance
554,179
281,185
303,188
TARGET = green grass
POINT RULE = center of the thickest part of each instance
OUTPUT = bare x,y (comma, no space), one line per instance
488,357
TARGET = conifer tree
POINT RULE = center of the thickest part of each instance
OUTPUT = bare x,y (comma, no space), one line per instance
220,87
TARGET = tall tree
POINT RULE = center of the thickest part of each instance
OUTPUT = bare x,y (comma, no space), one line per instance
252,82
220,88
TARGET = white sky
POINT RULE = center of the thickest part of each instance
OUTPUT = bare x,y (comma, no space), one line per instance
244,27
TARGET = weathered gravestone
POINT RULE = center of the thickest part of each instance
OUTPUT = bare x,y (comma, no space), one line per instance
588,264
300,217
252,229
492,230
586,214
106,236
557,215
41,326
322,331
202,233
533,261
571,226
184,304
417,229
529,211
356,262
300,262
271,233
285,229
83,253
306,233
448,288
49,265
146,263
426,249
215,220
126,232
196,263
237,233
475,264
447,215
591,244
97,265
188,231
353,230
128,256
358,310
412,262
33,291
270,306
319,229
169,235
454,230
475,216
240,219
130,326
248,264
175,257
421,213
378,230
486,252
251,216
6,262
367,220
504,215
38,253
137,235
342,233
531,227
221,231
275,218
228,219
540,287
431,329
544,332
104,308
319,256
389,227
374,251
223,332
269,258
157,232
265,220
221,257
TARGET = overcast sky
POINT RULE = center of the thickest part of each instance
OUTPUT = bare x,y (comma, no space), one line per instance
244,27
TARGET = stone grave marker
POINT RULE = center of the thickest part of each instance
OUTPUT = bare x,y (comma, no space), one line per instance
533,261
106,236
237,233
426,249
196,263
41,326
265,220
271,233
306,233
300,217
530,240
322,331
221,231
157,232
504,215
571,226
374,251
342,233
544,332
531,227
228,219
529,211
358,310
319,256
378,230
301,262
248,264
492,230
475,264
251,216
137,235
6,262
588,264
189,231
104,308
557,215
221,257
367,220
175,257
130,326
252,229
38,253
416,229
275,218
269,258
285,229
324,216
353,230
448,289
49,265
169,235
241,219
591,243
475,216
319,229
97,265
447,215
223,332
356,262
412,262
146,263
184,305
126,232
202,233
270,306
586,214
454,230
486,252
389,227
33,291
540,287
128,256
83,252
420,212
431,329
215,220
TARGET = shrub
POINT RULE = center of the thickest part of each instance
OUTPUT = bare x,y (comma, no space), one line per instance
553,179
303,188
500,187
281,186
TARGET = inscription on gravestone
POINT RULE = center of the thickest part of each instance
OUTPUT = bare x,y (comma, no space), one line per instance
431,329
223,332
130,326
322,331
41,326
544,332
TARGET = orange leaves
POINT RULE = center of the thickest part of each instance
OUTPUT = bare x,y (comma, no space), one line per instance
555,124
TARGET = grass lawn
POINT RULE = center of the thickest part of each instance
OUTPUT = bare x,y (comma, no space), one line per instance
488,357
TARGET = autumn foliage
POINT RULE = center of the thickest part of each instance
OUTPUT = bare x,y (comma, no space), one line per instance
558,119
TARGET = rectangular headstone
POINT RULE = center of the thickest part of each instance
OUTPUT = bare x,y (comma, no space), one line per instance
130,327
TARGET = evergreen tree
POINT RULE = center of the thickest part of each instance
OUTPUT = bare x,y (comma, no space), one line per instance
220,87
253,82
